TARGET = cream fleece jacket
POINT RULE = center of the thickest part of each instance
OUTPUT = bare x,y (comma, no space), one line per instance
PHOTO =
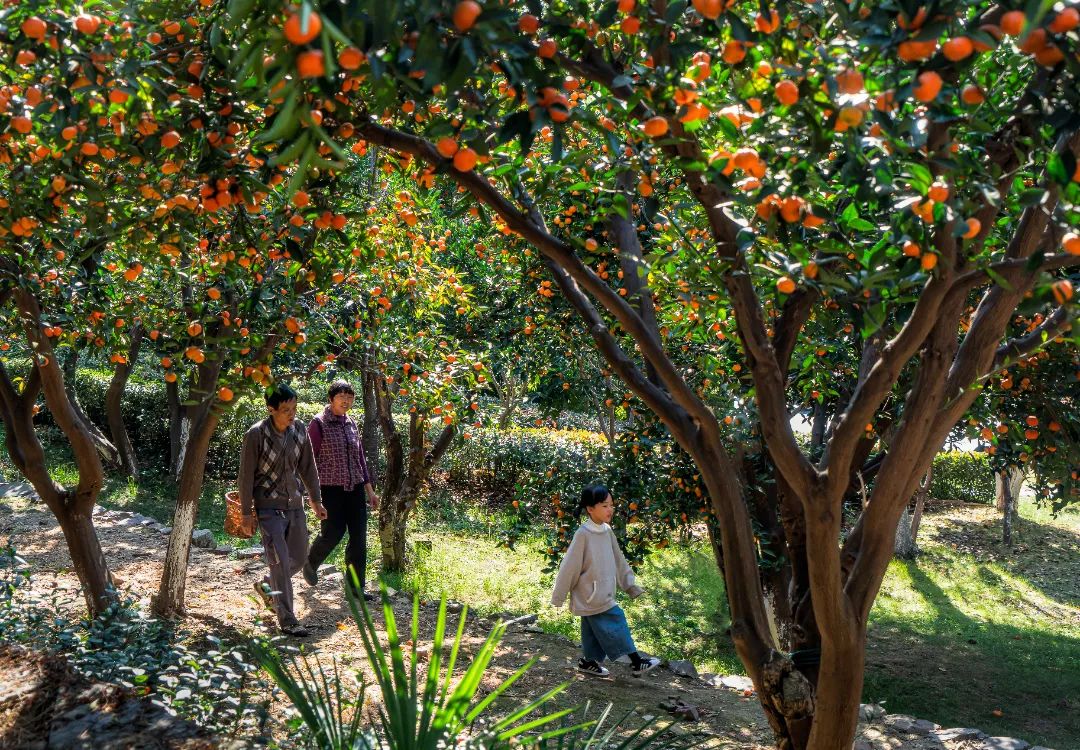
592,568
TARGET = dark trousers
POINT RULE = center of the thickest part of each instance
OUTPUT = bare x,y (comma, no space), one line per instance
345,511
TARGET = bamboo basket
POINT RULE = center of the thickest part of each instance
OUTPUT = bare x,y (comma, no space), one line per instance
236,523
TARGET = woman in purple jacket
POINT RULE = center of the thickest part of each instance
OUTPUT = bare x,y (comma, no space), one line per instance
344,479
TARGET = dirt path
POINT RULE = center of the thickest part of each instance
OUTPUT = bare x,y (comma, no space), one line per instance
220,600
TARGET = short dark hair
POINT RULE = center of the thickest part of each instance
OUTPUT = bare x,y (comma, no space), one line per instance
592,495
278,394
340,386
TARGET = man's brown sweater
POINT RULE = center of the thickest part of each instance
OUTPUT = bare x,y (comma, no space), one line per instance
272,466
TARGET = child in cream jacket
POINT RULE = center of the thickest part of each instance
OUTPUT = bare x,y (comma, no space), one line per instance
590,572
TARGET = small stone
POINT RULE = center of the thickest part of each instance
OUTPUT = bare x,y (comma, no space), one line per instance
956,734
223,550
165,530
453,607
148,522
683,668
523,621
533,629
97,511
648,717
922,727
862,745
1005,743
712,680
391,593
203,538
737,682
128,522
121,515
870,712
250,552
326,569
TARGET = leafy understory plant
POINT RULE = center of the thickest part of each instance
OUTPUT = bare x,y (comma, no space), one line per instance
429,711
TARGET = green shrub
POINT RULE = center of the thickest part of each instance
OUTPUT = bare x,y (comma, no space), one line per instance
146,416
963,475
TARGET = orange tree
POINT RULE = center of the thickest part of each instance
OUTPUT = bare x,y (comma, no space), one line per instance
916,162
138,211
1026,421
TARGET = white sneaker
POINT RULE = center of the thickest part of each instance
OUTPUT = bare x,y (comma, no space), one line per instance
646,665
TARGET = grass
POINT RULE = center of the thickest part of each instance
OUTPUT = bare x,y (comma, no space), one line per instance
968,629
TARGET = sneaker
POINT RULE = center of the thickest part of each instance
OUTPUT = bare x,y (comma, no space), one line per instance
645,665
310,574
591,668
263,590
296,631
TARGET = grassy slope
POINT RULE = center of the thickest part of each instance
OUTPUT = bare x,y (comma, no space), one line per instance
965,631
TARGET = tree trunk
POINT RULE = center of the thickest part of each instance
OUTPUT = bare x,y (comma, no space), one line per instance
169,602
114,403
176,416
1010,481
108,452
920,505
1009,510
73,508
370,430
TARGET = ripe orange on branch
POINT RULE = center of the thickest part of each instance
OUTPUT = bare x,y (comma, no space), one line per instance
465,14
297,33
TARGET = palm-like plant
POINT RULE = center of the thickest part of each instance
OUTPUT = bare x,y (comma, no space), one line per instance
425,711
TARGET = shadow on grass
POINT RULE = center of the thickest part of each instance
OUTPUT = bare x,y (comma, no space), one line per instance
1044,555
683,613
958,670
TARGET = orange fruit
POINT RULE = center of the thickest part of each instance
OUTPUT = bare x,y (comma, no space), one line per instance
1049,56
957,48
21,124
655,127
34,28
171,139
929,86
1066,20
69,132
87,24
850,81
627,6
301,199
1063,291
630,25
938,192
465,14
89,149
972,95
708,8
295,32
787,93
785,285
912,249
465,159
118,96
1071,243
734,52
1013,22
350,58
225,394
547,49
310,64
767,24
928,261
911,51
447,147
194,328
791,210
974,226
528,23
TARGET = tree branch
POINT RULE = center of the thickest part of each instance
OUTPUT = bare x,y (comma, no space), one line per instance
1054,325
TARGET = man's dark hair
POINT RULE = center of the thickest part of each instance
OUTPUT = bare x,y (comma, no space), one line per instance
278,394
340,386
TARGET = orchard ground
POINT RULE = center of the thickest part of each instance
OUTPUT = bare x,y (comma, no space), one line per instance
969,634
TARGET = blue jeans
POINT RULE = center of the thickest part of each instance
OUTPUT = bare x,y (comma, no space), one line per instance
606,634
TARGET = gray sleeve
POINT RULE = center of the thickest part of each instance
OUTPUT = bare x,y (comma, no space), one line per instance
309,473
569,571
624,574
249,457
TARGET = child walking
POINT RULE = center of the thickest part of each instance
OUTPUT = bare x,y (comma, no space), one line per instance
592,568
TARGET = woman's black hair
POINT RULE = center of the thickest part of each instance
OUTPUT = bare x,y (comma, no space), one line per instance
278,394
340,386
592,495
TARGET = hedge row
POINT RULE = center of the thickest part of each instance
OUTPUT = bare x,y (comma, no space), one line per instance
964,476
146,415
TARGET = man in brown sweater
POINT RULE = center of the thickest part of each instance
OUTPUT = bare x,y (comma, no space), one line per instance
275,459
